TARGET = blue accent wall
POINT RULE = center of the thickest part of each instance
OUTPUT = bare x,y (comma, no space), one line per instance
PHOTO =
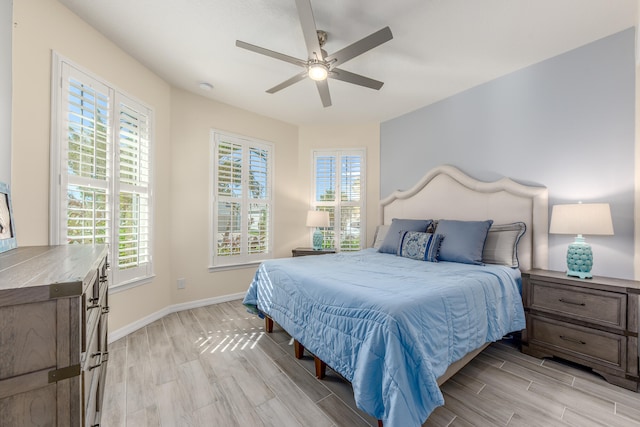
566,123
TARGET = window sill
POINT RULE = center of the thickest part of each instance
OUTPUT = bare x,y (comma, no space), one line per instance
213,269
120,287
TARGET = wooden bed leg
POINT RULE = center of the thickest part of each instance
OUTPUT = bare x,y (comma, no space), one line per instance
379,423
321,367
298,349
268,324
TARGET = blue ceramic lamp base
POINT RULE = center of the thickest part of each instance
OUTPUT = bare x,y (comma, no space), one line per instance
318,238
579,259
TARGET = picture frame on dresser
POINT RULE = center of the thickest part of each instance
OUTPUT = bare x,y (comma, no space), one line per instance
7,223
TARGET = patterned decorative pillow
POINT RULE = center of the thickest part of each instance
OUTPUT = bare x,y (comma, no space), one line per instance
419,245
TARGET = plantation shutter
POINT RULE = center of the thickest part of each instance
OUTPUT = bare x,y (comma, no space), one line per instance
325,195
229,192
350,206
86,160
338,189
101,172
259,193
242,200
132,188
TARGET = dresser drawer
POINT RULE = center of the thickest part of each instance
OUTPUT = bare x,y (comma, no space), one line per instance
89,312
590,305
89,369
95,304
91,381
588,344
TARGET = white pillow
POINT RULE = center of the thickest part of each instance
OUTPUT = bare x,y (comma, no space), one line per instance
378,238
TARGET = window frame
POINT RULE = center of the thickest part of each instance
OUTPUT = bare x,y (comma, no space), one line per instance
337,204
244,259
120,279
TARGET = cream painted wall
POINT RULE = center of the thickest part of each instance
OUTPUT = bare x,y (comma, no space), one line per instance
636,258
6,25
346,136
192,119
182,148
43,26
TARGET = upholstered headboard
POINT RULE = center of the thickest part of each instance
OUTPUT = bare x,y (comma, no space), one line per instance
447,193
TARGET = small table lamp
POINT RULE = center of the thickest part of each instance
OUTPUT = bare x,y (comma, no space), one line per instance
317,219
579,219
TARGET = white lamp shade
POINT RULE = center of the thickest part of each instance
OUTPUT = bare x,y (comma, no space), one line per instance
317,219
581,218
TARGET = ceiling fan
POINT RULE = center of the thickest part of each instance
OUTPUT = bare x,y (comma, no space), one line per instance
319,66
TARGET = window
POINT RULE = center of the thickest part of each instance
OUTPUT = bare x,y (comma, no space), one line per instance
101,171
339,178
241,202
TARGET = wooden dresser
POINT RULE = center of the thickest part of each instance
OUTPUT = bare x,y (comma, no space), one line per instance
593,322
53,335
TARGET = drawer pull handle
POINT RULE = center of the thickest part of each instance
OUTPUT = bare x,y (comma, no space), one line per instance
571,302
572,340
105,309
92,306
95,366
96,354
94,299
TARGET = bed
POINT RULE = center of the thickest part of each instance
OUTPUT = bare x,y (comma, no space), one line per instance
396,326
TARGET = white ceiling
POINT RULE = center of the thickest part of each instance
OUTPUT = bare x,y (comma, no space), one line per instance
440,47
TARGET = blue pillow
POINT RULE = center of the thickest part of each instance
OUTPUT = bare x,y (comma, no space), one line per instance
392,239
463,240
420,246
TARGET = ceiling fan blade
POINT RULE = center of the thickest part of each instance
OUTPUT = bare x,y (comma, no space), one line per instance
323,90
357,79
272,54
360,47
309,29
288,82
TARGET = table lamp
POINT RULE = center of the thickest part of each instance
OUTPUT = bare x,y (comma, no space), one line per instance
317,219
579,219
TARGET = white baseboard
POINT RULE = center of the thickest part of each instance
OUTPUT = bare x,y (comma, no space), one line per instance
141,323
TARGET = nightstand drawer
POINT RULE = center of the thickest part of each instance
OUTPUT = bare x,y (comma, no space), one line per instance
590,305
600,347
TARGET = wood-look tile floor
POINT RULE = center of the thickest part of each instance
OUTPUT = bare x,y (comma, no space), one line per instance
215,366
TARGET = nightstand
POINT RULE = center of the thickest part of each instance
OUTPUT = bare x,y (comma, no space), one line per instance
593,322
310,251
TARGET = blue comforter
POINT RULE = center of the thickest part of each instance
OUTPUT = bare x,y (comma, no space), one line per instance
389,325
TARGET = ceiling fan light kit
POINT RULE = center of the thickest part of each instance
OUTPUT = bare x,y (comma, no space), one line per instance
318,71
319,66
